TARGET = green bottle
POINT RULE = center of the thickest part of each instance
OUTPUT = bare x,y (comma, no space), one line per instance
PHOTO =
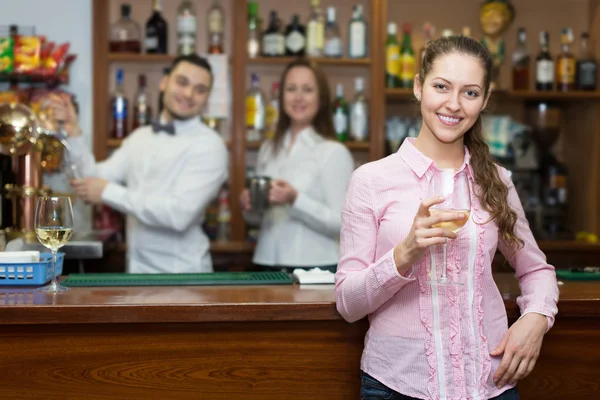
407,60
340,114
392,58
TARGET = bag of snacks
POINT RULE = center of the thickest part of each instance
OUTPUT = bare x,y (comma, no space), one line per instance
6,55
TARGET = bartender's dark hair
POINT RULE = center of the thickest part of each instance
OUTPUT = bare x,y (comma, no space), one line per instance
493,192
193,59
323,121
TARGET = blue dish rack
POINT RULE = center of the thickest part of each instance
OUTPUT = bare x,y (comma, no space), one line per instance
27,274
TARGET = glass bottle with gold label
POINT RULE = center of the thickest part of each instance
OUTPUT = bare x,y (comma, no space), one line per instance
315,35
272,112
216,28
392,58
407,60
255,111
565,63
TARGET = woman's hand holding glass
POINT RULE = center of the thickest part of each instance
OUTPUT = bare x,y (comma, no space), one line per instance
423,234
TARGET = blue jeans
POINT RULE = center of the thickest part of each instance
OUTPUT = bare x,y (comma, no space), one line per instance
372,389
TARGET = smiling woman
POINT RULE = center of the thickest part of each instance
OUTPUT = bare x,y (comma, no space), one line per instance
418,330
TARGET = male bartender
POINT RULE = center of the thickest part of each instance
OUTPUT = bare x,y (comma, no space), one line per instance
163,176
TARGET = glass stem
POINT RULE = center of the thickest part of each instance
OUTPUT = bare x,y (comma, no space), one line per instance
444,265
54,283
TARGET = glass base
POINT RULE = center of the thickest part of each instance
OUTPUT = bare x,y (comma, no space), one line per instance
53,288
443,282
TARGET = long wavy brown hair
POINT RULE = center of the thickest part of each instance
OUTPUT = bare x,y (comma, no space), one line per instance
493,192
323,120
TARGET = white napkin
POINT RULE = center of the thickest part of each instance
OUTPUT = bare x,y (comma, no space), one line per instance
313,276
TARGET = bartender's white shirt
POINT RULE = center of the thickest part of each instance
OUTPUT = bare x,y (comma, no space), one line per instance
163,183
307,232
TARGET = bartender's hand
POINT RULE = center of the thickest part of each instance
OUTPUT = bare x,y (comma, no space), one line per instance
282,193
521,347
61,109
89,189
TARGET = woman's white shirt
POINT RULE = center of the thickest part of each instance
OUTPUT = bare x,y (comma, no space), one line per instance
305,233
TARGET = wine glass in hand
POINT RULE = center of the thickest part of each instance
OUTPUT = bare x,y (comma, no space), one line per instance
454,188
54,227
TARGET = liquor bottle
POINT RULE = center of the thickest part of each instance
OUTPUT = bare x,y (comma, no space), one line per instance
156,31
273,43
466,31
255,111
544,65
357,34
253,44
216,26
295,38
521,61
119,109
340,114
565,63
272,113
407,60
392,58
142,112
315,31
359,113
125,36
186,28
428,35
587,66
333,40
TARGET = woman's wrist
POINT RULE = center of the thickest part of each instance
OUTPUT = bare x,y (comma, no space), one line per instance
403,265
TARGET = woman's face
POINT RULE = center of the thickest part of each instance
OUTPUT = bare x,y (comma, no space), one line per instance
301,96
452,96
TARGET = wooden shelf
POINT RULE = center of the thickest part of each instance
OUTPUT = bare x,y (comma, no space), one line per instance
358,146
553,246
550,95
408,95
114,143
140,57
347,62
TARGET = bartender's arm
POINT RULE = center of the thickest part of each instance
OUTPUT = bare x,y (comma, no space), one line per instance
112,169
205,171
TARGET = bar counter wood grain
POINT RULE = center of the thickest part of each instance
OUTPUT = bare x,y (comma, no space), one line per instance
237,342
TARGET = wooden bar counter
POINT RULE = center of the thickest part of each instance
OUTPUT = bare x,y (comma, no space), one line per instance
237,342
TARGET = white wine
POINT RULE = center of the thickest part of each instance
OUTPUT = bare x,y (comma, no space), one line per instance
455,225
54,237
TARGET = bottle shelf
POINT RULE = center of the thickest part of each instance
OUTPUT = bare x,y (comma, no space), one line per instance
407,94
140,57
343,62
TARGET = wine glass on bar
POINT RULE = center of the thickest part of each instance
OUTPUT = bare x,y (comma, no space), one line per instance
454,187
54,228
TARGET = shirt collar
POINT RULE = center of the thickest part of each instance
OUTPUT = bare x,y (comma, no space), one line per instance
307,137
182,125
420,163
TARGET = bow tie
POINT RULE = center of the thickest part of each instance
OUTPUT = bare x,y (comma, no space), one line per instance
167,128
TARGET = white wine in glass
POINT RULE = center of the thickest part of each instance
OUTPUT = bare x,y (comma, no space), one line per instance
54,228
454,187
